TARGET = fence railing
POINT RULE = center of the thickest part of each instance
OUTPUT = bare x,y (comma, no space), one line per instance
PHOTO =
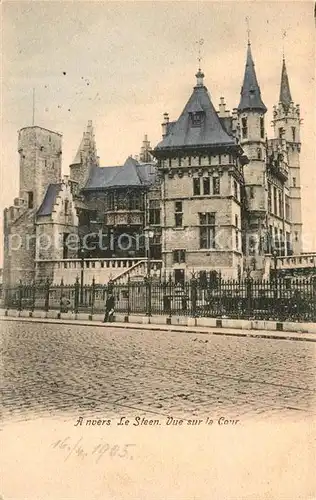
249,299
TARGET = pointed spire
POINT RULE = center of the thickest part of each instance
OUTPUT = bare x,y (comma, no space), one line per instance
200,75
87,146
285,92
145,150
250,91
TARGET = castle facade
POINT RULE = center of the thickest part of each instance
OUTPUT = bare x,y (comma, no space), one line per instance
216,195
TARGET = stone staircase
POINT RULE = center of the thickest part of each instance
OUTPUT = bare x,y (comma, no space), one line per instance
138,271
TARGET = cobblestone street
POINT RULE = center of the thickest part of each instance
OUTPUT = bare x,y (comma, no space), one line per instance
51,370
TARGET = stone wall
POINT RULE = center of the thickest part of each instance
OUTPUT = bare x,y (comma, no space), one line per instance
40,161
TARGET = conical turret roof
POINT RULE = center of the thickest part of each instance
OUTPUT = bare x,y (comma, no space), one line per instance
285,92
87,145
250,91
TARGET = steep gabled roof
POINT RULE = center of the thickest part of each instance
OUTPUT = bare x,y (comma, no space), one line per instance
78,158
148,173
127,175
285,92
131,174
100,177
250,91
183,133
49,199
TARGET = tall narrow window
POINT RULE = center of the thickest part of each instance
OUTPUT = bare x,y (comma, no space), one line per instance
236,190
275,206
259,154
261,127
281,242
219,159
200,160
271,243
135,201
66,209
178,256
207,230
189,161
276,239
280,204
178,214
206,185
65,245
216,185
154,212
244,128
252,192
179,161
269,198
170,162
294,181
30,199
287,207
288,244
236,232
293,134
111,200
196,186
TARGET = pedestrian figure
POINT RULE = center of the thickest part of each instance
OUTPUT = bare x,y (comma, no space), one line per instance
109,308
64,304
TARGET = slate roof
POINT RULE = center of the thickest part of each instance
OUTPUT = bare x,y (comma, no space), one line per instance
285,92
77,159
46,207
131,174
183,133
250,91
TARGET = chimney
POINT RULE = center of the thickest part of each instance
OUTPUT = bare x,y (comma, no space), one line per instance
222,106
164,125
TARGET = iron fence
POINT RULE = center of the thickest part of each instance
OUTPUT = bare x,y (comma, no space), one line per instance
279,300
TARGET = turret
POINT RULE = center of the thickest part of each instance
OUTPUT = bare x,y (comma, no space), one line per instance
40,163
85,159
145,156
287,123
251,132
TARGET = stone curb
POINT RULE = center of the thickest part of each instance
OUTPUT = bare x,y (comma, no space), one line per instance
171,328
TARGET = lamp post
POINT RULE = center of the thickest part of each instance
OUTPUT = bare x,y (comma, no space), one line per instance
150,234
275,261
81,253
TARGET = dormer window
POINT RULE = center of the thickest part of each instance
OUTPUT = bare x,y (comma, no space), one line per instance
197,118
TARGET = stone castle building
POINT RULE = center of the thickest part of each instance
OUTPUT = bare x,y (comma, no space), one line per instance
215,195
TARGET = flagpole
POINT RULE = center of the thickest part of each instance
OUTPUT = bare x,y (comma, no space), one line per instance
33,115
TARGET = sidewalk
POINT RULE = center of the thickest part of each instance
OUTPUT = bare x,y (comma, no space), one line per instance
39,317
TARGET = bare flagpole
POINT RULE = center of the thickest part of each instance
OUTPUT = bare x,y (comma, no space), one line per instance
33,115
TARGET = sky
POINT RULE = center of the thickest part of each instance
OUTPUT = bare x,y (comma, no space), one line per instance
123,64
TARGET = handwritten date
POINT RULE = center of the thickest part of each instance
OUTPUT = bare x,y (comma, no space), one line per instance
97,451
